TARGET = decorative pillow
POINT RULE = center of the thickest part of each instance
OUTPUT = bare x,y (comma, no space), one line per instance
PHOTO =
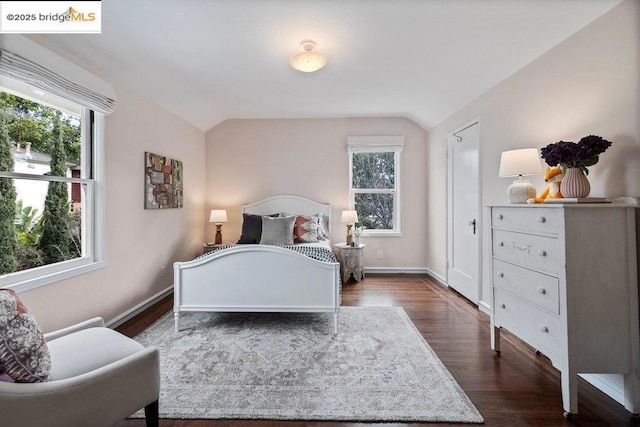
251,229
277,231
305,229
323,227
24,355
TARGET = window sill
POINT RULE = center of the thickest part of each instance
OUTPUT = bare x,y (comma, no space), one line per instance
381,234
47,279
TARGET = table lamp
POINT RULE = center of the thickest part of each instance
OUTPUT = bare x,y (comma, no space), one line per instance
218,216
349,218
525,161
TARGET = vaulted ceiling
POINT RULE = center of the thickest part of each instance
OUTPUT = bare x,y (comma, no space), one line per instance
212,60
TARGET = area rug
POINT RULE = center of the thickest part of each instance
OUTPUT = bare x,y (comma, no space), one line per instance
290,366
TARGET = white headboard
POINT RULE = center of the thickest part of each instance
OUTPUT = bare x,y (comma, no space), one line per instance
287,203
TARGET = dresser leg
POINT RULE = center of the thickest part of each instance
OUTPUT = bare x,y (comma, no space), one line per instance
495,339
632,393
569,391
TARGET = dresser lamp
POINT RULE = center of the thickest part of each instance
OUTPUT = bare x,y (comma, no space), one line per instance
349,218
525,161
218,216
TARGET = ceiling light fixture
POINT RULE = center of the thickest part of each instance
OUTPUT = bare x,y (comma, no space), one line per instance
308,61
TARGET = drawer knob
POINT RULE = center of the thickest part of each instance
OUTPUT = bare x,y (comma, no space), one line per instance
500,216
503,305
500,244
542,219
542,291
542,253
544,329
500,274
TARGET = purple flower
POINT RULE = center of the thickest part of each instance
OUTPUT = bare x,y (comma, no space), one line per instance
571,155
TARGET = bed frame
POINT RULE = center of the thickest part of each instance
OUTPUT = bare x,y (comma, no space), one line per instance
260,278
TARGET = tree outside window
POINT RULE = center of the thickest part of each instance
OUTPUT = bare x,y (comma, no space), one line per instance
8,261
375,186
40,152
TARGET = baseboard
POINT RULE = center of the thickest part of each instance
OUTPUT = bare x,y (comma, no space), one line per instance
438,277
400,270
130,314
485,308
396,270
610,384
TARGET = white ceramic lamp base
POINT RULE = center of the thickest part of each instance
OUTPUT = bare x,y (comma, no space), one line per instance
520,191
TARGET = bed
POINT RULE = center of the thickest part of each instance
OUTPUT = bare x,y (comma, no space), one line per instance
263,277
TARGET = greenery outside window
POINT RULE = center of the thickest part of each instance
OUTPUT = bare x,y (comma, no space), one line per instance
50,187
374,176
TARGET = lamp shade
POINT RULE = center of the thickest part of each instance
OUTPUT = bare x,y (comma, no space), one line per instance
308,61
349,217
218,215
525,161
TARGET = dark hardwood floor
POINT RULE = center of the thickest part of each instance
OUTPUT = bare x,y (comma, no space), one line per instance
517,388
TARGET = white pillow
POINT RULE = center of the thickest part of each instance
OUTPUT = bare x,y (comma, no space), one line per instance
277,231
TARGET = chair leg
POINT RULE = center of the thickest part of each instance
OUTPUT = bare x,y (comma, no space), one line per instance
151,414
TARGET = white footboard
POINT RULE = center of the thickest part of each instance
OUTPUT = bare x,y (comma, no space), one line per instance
255,278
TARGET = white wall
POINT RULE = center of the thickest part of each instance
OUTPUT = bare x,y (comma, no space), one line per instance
138,241
589,84
251,159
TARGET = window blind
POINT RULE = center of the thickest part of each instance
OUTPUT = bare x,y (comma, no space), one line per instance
374,144
27,61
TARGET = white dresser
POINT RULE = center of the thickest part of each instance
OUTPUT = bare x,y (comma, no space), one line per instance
565,281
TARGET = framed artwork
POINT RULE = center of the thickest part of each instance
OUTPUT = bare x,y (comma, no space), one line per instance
162,182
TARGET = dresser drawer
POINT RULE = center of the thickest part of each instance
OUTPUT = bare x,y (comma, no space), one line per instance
534,287
532,220
537,252
534,326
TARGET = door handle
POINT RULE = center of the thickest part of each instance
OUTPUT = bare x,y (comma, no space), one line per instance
473,223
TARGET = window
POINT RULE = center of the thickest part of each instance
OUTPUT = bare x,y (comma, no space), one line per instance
374,176
50,177
66,107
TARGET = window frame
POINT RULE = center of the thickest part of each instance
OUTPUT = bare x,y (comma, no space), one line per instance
379,144
93,239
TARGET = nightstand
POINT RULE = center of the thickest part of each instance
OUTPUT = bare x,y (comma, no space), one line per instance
351,259
208,247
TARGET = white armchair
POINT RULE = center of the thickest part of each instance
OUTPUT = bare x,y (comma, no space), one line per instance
98,377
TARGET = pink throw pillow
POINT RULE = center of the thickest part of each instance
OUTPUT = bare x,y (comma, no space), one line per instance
305,229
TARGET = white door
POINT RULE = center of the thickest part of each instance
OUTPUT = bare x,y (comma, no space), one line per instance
463,211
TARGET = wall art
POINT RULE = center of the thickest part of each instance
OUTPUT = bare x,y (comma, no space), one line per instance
163,182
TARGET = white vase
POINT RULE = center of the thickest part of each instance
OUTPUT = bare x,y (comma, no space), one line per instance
575,184
356,240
